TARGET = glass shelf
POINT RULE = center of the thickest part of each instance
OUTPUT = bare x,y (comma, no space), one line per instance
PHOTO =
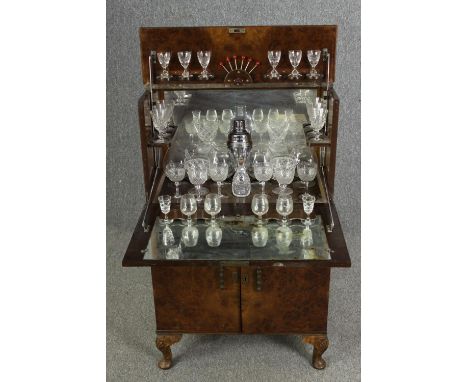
304,243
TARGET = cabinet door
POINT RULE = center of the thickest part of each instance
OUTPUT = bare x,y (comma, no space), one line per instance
197,299
284,299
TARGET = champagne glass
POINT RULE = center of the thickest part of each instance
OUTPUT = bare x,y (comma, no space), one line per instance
212,206
314,57
164,58
259,205
225,126
283,170
262,166
218,167
259,236
165,205
308,205
184,59
307,171
274,57
175,171
204,57
213,235
197,169
284,206
258,125
295,59
188,206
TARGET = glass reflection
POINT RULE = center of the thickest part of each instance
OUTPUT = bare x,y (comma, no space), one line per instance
259,236
213,235
284,236
190,236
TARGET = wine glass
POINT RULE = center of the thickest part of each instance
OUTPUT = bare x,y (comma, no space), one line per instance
165,205
295,59
164,58
225,125
212,206
204,57
274,57
308,204
184,59
283,170
259,235
277,125
262,166
211,115
313,56
307,171
175,171
188,206
218,167
284,206
317,117
207,131
213,235
190,236
259,205
197,169
258,125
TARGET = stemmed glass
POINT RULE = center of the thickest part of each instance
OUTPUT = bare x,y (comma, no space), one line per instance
258,125
211,115
295,59
308,204
161,115
283,170
182,97
259,205
188,206
262,166
165,205
184,59
306,170
204,57
284,206
212,206
277,126
218,167
175,171
317,116
225,125
197,169
314,57
164,58
274,56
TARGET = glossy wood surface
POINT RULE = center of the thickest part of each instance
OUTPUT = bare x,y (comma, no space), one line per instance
255,43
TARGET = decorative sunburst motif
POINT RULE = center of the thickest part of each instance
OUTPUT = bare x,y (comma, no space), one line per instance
237,72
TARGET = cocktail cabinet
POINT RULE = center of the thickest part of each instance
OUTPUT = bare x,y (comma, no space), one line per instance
258,100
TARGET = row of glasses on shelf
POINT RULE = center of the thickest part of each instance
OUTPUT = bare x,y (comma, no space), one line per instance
204,57
295,56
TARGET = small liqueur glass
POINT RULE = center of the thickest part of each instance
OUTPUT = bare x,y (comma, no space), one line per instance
184,59
259,206
225,125
204,57
295,59
307,171
164,58
175,171
212,206
284,168
188,206
284,206
308,205
213,235
314,57
274,57
262,166
197,169
165,205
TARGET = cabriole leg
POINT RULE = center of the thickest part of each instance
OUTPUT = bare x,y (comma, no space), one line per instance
164,343
320,344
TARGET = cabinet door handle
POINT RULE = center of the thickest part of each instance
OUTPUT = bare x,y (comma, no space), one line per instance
221,278
245,279
259,280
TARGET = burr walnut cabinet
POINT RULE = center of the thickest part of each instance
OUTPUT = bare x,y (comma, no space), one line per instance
239,286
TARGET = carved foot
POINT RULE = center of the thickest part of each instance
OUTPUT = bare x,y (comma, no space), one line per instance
320,344
163,343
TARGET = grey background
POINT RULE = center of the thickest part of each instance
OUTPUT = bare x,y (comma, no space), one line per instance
130,315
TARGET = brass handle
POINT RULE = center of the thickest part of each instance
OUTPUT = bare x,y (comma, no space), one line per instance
259,280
